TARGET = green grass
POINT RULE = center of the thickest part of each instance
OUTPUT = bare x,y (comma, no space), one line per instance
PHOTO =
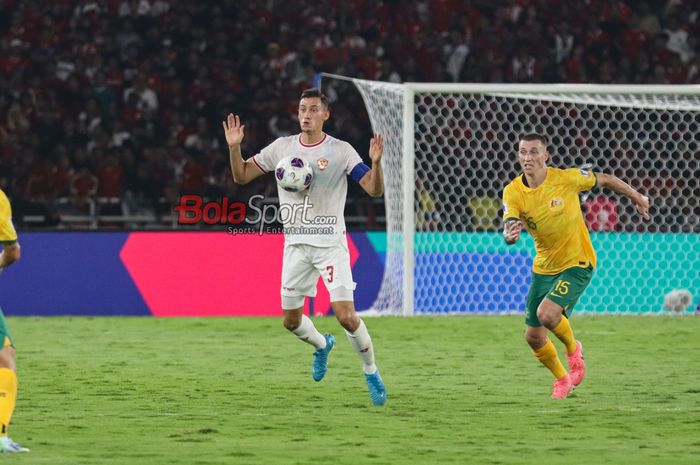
461,390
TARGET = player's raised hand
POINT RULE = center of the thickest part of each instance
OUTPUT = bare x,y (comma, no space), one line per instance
642,204
376,148
233,130
511,231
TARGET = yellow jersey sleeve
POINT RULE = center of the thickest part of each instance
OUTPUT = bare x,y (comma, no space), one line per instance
511,204
584,180
7,229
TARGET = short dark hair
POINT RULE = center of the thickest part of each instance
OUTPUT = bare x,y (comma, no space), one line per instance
315,93
534,136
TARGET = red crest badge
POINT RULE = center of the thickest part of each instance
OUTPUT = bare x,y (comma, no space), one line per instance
322,163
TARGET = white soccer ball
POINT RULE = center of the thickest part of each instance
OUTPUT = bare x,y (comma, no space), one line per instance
678,300
294,174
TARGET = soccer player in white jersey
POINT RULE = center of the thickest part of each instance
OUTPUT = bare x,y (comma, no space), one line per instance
310,252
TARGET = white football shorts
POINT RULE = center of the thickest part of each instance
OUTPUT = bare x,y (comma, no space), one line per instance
302,264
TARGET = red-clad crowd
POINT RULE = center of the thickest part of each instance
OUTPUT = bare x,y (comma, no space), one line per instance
124,99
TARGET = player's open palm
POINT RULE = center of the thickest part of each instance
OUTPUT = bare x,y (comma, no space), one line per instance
233,130
642,204
376,148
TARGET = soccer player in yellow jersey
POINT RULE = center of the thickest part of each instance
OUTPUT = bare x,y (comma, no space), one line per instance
544,200
8,378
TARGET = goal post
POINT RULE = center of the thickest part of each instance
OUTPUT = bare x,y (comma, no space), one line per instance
408,221
450,149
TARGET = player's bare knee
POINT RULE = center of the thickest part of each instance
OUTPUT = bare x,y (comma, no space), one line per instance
348,320
293,308
536,336
535,340
290,324
548,317
7,357
292,319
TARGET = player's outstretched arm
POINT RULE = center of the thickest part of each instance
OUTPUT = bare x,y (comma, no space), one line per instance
373,181
511,231
242,171
641,202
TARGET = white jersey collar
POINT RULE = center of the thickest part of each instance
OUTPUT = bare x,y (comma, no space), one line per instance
323,139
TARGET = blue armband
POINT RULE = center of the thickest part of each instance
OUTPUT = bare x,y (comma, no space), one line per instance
359,171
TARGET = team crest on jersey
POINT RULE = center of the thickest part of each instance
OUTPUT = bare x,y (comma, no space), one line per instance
556,203
322,164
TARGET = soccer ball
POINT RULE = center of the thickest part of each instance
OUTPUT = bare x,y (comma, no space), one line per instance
678,300
293,174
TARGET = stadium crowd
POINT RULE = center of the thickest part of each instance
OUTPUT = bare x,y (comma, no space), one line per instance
110,99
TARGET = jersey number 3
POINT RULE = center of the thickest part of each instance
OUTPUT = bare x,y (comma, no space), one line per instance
330,273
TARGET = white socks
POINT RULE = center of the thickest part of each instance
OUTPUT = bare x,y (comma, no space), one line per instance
359,340
362,343
308,333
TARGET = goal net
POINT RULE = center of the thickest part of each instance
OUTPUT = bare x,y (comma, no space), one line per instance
451,149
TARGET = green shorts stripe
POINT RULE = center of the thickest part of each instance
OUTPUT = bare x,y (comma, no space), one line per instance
564,289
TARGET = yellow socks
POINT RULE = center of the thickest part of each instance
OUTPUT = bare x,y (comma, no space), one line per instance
8,395
547,354
566,335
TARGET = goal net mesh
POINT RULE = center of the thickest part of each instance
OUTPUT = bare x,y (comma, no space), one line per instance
465,152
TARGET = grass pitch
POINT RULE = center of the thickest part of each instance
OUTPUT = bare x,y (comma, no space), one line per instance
462,390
